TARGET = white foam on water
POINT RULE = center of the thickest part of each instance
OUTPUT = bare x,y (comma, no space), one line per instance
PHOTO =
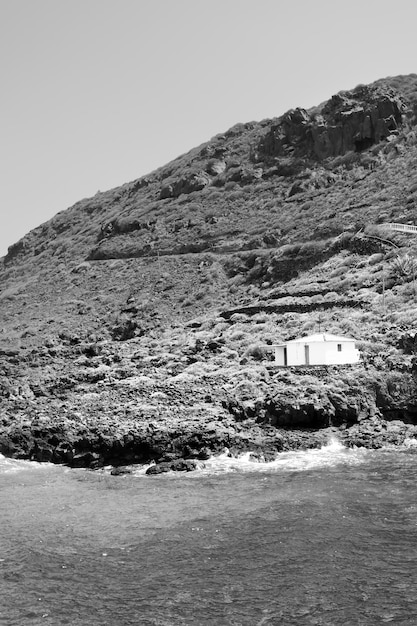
132,470
332,454
410,443
140,470
8,466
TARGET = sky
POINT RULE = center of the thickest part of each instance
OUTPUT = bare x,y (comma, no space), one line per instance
96,93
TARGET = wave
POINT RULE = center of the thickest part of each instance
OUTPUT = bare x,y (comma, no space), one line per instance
331,454
11,466
410,443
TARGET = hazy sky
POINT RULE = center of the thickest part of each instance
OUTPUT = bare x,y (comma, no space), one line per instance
95,93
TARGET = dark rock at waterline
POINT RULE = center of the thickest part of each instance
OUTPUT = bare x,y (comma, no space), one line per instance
86,459
179,465
183,446
204,454
192,453
120,471
42,454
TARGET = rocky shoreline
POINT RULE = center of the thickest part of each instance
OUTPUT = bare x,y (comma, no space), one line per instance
183,447
176,420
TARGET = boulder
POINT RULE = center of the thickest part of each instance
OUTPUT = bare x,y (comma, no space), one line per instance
193,182
166,192
204,454
85,459
216,166
120,471
42,453
178,465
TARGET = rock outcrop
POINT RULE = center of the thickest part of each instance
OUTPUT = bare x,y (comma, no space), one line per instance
349,121
186,185
177,465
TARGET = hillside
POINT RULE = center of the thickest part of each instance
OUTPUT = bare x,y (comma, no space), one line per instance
135,325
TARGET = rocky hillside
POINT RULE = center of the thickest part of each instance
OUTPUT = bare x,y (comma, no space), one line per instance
136,324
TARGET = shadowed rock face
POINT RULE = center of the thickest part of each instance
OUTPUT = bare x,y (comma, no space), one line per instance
350,121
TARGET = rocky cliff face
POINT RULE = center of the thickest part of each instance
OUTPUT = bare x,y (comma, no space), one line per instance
351,120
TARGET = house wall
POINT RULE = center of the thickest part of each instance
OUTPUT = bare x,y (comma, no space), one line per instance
320,353
348,354
296,354
279,355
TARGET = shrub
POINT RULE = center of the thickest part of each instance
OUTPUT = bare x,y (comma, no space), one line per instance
257,351
124,330
404,266
375,258
236,336
339,271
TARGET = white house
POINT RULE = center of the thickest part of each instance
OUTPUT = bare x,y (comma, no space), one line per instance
321,349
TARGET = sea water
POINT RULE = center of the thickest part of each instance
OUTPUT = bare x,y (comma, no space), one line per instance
323,537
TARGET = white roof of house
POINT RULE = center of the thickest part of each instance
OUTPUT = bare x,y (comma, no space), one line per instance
320,337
